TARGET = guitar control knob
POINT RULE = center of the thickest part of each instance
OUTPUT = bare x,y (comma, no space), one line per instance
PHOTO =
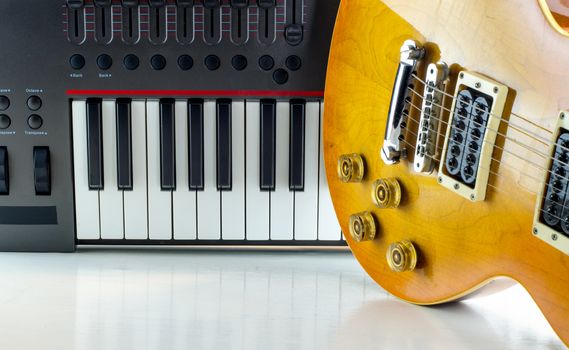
350,168
362,227
386,193
402,256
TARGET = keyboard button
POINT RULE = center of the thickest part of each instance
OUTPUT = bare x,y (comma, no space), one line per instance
239,62
268,144
293,63
95,144
306,201
297,142
282,199
4,103
280,76
233,202
185,62
136,201
86,200
212,62
42,171
208,200
224,151
159,201
167,145
184,199
266,62
131,62
196,144
110,198
77,62
257,208
104,62
124,144
158,62
4,173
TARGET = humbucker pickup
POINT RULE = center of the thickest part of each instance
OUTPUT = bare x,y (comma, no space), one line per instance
476,114
431,113
551,219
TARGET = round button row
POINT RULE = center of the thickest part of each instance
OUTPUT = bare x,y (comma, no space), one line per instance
34,121
34,103
186,62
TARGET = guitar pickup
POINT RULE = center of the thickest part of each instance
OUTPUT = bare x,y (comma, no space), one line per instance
551,218
476,114
431,113
393,148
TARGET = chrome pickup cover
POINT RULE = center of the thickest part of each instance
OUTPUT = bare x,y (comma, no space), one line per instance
551,219
431,113
393,149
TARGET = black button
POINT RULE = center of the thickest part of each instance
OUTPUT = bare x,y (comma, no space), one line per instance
266,62
4,121
239,62
104,61
34,103
4,103
77,62
294,33
293,63
280,76
158,62
131,62
185,62
35,122
212,62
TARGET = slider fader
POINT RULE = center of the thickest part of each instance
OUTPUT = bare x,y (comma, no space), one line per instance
163,122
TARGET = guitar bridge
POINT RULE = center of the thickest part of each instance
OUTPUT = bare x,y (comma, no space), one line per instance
551,219
431,113
476,114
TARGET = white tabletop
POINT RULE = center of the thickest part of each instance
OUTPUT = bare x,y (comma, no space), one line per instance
203,299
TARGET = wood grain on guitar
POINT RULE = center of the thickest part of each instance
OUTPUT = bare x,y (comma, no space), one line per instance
459,244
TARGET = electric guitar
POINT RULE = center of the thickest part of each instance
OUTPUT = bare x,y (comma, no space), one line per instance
446,141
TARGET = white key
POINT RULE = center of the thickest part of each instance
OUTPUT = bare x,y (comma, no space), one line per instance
257,208
110,198
233,202
159,202
209,199
86,201
282,199
306,202
136,201
328,227
184,199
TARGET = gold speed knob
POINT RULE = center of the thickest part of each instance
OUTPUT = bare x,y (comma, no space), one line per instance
402,256
386,193
362,227
350,168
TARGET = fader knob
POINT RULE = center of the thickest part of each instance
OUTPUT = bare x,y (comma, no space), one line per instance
103,3
75,4
157,3
184,3
239,4
130,3
266,4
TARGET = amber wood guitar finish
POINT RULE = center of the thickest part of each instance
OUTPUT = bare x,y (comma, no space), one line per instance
461,244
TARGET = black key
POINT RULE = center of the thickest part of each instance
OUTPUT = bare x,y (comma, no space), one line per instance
167,145
196,145
4,173
268,144
42,171
224,150
95,143
124,144
297,145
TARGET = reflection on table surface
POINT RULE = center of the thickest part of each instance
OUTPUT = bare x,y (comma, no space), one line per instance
182,299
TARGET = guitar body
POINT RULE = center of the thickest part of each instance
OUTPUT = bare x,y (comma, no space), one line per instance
461,245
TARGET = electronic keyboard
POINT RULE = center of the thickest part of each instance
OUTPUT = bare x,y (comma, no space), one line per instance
161,122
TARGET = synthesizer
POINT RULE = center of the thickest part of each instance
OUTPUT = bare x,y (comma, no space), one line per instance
163,122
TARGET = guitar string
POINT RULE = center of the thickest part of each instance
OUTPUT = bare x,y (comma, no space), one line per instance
502,191
416,77
537,166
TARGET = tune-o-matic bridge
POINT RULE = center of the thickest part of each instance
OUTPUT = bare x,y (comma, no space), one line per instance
393,149
551,219
476,114
431,113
